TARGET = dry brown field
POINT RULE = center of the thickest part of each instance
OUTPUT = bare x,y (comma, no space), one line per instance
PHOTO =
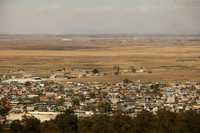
168,60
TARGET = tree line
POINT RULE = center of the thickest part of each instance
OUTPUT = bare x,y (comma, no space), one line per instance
145,122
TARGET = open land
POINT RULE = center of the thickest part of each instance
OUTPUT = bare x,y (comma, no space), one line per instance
43,77
170,60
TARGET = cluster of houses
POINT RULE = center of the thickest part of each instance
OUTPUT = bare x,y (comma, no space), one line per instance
45,98
70,73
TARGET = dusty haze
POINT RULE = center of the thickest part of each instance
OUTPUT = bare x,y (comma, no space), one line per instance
100,16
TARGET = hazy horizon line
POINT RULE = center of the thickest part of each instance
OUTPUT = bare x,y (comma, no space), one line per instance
96,34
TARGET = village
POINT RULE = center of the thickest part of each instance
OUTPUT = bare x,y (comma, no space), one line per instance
45,98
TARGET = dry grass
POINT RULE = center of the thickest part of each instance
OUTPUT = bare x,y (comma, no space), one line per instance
180,61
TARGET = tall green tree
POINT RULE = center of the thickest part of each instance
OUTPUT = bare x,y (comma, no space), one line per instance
31,125
16,127
67,122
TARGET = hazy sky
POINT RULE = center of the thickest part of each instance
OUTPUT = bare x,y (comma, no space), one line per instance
100,16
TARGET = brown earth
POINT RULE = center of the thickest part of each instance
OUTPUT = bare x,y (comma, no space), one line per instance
168,60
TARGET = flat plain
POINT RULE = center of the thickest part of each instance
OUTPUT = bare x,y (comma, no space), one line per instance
171,60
